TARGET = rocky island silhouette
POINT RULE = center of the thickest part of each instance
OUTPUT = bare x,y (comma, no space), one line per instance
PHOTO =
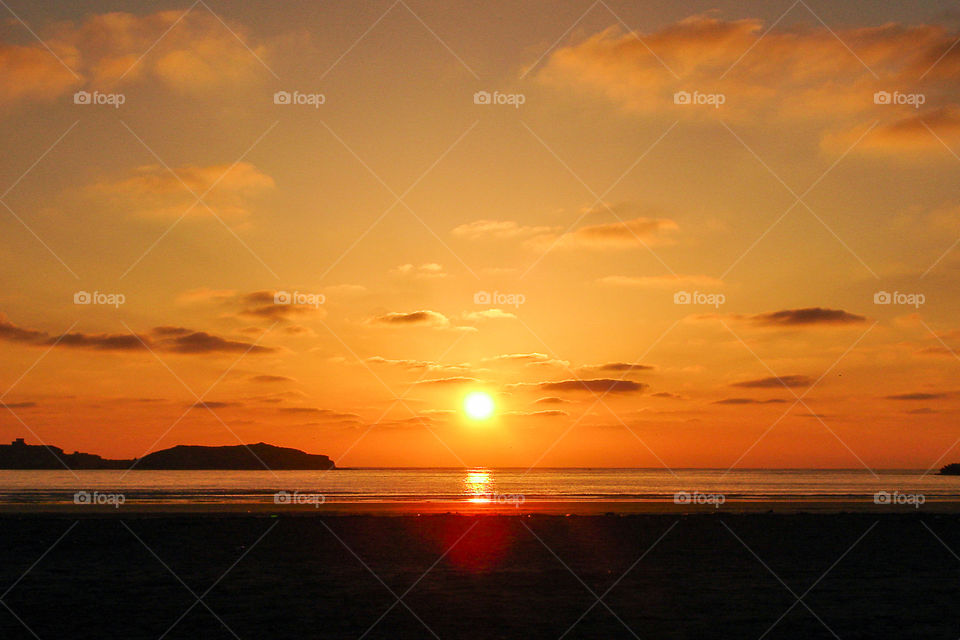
260,456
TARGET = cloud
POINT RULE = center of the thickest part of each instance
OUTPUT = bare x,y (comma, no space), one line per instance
487,229
326,414
430,271
280,311
170,331
200,342
190,53
12,333
748,401
945,345
154,191
550,400
270,379
280,397
601,384
807,317
666,394
296,330
164,338
528,360
662,282
453,380
418,365
31,73
99,341
905,134
547,413
773,72
17,405
412,422
624,233
616,367
489,314
261,296
628,234
422,318
918,396
261,305
775,382
208,404
206,295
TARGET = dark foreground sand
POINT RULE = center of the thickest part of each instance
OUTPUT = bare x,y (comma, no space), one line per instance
536,576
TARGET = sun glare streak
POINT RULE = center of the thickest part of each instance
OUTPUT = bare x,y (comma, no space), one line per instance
477,485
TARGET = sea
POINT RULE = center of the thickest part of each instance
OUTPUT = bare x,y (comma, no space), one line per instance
478,485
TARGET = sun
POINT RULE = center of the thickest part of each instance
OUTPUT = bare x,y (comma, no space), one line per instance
478,405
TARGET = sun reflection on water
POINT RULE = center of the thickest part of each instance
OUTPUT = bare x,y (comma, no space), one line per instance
477,485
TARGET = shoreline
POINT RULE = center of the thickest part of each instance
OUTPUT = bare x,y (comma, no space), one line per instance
465,508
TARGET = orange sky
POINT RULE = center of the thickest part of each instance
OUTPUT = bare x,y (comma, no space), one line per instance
708,235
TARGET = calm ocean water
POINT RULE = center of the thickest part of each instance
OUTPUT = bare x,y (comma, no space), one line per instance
477,485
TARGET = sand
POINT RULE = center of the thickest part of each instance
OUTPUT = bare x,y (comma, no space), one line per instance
464,507
712,575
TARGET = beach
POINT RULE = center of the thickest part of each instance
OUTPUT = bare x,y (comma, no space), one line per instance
302,573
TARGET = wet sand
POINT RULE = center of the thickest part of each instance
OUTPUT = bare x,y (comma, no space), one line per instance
468,508
319,575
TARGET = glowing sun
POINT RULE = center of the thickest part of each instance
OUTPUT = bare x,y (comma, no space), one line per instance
478,405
